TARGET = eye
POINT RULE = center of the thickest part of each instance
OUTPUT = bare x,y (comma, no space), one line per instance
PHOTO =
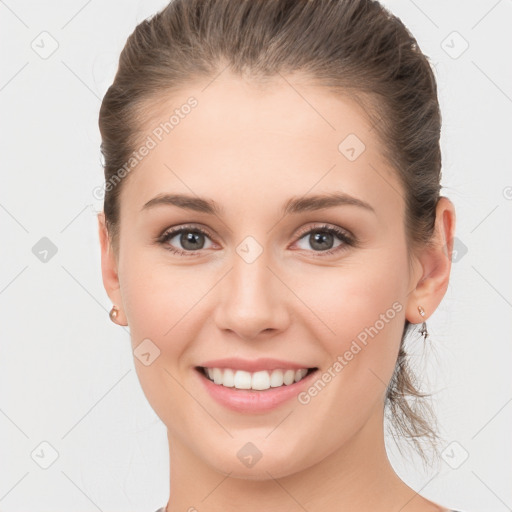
190,238
323,238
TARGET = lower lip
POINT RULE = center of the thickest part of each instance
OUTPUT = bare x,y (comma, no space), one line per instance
250,401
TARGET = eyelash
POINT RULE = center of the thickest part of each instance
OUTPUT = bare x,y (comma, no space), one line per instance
348,241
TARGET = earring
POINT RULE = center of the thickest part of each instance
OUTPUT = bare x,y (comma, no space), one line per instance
113,313
423,330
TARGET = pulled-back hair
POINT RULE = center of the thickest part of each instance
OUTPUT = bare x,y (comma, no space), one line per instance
352,47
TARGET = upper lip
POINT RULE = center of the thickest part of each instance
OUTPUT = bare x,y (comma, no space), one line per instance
254,365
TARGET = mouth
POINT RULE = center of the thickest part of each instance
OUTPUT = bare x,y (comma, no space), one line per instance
257,392
264,380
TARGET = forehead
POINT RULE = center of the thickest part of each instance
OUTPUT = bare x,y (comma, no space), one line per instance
245,110
284,137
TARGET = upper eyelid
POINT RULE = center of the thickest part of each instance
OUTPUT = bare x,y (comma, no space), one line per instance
185,227
326,226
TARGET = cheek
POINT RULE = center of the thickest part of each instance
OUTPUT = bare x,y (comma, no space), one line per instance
349,298
160,303
157,300
364,307
362,312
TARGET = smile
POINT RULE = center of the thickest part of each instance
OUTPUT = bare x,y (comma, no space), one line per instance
254,392
258,381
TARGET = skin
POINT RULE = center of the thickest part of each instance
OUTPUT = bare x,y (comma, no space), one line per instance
250,149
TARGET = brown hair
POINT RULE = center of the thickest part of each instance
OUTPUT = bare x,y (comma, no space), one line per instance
353,47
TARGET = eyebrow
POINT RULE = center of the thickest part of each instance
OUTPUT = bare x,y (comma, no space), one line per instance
293,206
320,201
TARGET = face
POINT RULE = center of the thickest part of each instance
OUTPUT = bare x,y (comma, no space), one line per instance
272,272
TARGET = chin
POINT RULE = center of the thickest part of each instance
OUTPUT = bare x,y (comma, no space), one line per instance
265,468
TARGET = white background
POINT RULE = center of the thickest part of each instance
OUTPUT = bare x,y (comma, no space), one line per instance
66,372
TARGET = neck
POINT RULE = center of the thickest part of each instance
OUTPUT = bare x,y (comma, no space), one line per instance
357,476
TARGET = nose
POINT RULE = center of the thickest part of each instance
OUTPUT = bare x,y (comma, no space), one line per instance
252,300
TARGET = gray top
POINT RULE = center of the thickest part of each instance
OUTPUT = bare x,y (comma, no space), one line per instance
163,510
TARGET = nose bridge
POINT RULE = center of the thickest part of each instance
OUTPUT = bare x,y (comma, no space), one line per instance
250,302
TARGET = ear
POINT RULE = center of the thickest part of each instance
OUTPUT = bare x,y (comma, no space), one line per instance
433,272
109,269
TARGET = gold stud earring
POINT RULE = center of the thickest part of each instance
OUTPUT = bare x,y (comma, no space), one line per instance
113,313
423,330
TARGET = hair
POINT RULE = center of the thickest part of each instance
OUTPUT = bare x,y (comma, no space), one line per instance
351,47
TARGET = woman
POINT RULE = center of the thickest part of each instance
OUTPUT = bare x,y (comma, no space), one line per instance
272,231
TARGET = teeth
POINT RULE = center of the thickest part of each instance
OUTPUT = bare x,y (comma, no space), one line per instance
260,381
